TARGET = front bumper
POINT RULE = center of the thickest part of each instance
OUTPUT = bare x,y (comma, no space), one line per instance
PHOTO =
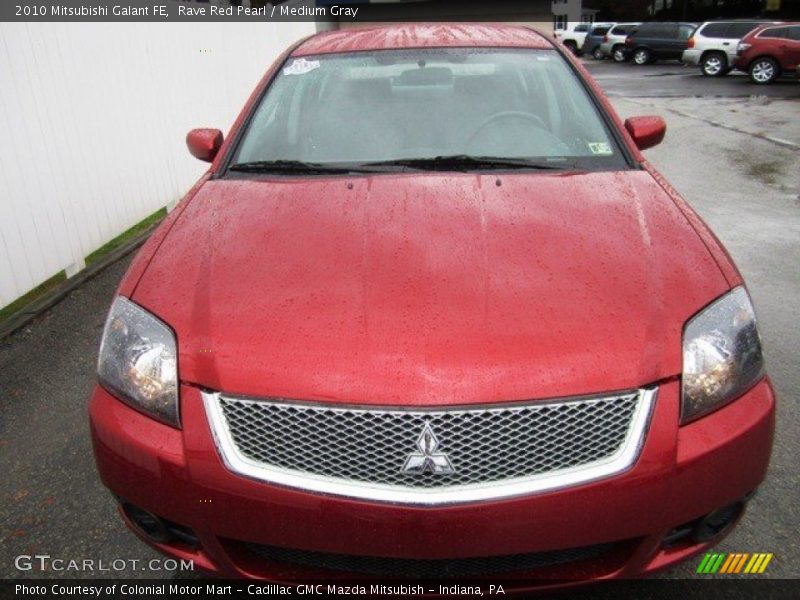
691,57
681,474
741,63
607,48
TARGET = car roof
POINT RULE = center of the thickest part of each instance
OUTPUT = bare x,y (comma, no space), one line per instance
627,25
773,25
764,21
668,23
418,35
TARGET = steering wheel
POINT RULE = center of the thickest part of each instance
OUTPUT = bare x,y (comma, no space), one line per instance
507,114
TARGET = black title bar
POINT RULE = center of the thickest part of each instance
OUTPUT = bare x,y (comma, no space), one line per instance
275,11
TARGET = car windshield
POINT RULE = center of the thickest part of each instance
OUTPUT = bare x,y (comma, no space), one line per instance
444,106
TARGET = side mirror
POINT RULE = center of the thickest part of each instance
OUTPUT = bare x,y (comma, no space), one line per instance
204,143
646,131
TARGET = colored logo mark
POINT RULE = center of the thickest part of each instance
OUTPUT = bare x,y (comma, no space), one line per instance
734,563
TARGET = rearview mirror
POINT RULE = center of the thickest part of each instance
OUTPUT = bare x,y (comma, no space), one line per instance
646,131
204,143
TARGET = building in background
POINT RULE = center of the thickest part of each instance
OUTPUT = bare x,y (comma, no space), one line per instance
95,119
571,11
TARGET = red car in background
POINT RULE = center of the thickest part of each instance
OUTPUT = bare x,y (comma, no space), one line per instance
431,314
769,52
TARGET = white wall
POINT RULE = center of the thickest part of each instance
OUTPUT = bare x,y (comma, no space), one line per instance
93,119
570,8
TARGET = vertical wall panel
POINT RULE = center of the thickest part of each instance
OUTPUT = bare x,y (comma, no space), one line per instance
94,117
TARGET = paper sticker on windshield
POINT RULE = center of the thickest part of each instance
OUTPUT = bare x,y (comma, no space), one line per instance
301,66
600,148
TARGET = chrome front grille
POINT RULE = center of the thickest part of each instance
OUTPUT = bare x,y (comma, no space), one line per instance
462,454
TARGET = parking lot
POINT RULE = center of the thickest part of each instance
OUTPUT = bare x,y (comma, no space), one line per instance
732,149
671,79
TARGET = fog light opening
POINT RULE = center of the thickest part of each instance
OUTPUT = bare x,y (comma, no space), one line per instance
678,535
158,529
706,528
149,525
717,522
182,534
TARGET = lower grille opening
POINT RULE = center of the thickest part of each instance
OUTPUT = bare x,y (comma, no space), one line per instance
402,568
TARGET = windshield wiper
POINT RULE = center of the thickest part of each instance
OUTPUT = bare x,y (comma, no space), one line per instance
294,166
455,162
466,162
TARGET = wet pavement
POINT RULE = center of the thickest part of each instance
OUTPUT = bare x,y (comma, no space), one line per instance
671,79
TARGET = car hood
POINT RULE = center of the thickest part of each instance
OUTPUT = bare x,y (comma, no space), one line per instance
430,289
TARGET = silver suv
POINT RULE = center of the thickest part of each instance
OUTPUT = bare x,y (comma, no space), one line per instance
614,41
712,47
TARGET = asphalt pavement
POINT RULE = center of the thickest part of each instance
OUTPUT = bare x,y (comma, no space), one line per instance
744,184
670,79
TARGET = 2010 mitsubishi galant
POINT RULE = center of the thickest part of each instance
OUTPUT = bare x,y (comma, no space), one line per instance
430,313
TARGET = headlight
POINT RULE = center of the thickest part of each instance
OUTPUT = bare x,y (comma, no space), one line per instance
721,355
138,361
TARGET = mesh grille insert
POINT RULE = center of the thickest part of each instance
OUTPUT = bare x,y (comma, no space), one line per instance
483,445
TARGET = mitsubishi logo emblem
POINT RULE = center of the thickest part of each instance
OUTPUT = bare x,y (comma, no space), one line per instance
427,460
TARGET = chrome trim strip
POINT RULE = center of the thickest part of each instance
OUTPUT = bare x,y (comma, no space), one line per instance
618,462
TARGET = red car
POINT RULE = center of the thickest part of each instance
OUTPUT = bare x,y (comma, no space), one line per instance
768,52
431,314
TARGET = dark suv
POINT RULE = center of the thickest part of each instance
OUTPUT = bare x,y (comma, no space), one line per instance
658,41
